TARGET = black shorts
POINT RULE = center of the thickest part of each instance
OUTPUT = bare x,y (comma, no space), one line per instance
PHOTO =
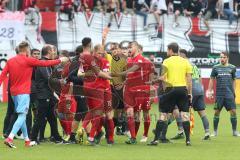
174,96
81,104
228,103
109,10
163,12
198,103
117,98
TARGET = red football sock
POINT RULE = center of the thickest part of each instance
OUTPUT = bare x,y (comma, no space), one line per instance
146,125
66,125
110,129
131,126
95,124
100,125
137,124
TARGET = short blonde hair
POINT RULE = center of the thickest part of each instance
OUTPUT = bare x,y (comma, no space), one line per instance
22,46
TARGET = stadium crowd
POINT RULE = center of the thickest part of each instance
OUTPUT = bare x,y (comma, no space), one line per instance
208,9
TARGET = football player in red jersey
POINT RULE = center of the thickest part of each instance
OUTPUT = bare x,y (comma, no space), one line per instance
134,79
90,70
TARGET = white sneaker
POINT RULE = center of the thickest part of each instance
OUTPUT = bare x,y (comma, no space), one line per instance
214,134
30,143
236,134
144,139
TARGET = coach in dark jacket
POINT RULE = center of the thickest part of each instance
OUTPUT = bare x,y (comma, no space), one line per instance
46,99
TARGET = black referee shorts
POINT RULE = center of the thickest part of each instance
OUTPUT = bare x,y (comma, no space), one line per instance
174,96
82,108
117,98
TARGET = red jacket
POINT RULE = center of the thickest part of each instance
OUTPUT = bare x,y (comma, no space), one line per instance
19,69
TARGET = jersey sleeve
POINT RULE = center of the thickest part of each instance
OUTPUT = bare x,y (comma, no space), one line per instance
164,68
189,67
213,73
234,73
41,63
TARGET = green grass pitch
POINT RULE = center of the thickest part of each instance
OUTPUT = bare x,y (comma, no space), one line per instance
223,147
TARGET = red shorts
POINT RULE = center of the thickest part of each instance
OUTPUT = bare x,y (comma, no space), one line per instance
66,108
98,98
137,97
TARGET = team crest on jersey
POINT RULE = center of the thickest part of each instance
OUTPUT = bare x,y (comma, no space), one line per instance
89,17
118,18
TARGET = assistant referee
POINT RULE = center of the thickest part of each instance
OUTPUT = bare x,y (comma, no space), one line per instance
177,76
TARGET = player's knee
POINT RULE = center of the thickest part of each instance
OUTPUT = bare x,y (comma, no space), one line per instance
233,112
109,115
202,113
130,112
185,116
176,113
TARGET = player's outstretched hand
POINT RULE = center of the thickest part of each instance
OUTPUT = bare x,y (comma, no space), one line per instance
209,94
64,60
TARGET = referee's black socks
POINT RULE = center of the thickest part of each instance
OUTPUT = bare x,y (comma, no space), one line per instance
186,127
159,128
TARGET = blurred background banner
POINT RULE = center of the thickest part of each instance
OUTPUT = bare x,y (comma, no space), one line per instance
39,28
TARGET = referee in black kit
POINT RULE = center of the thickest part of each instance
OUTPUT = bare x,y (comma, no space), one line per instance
178,81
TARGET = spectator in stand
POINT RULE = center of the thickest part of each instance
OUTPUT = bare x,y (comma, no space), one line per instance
33,12
210,12
204,3
237,10
98,7
227,6
25,4
141,10
87,5
77,5
193,8
67,8
169,6
237,7
178,6
113,7
158,7
128,6
3,5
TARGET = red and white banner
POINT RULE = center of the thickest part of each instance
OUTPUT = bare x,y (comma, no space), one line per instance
12,26
54,28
